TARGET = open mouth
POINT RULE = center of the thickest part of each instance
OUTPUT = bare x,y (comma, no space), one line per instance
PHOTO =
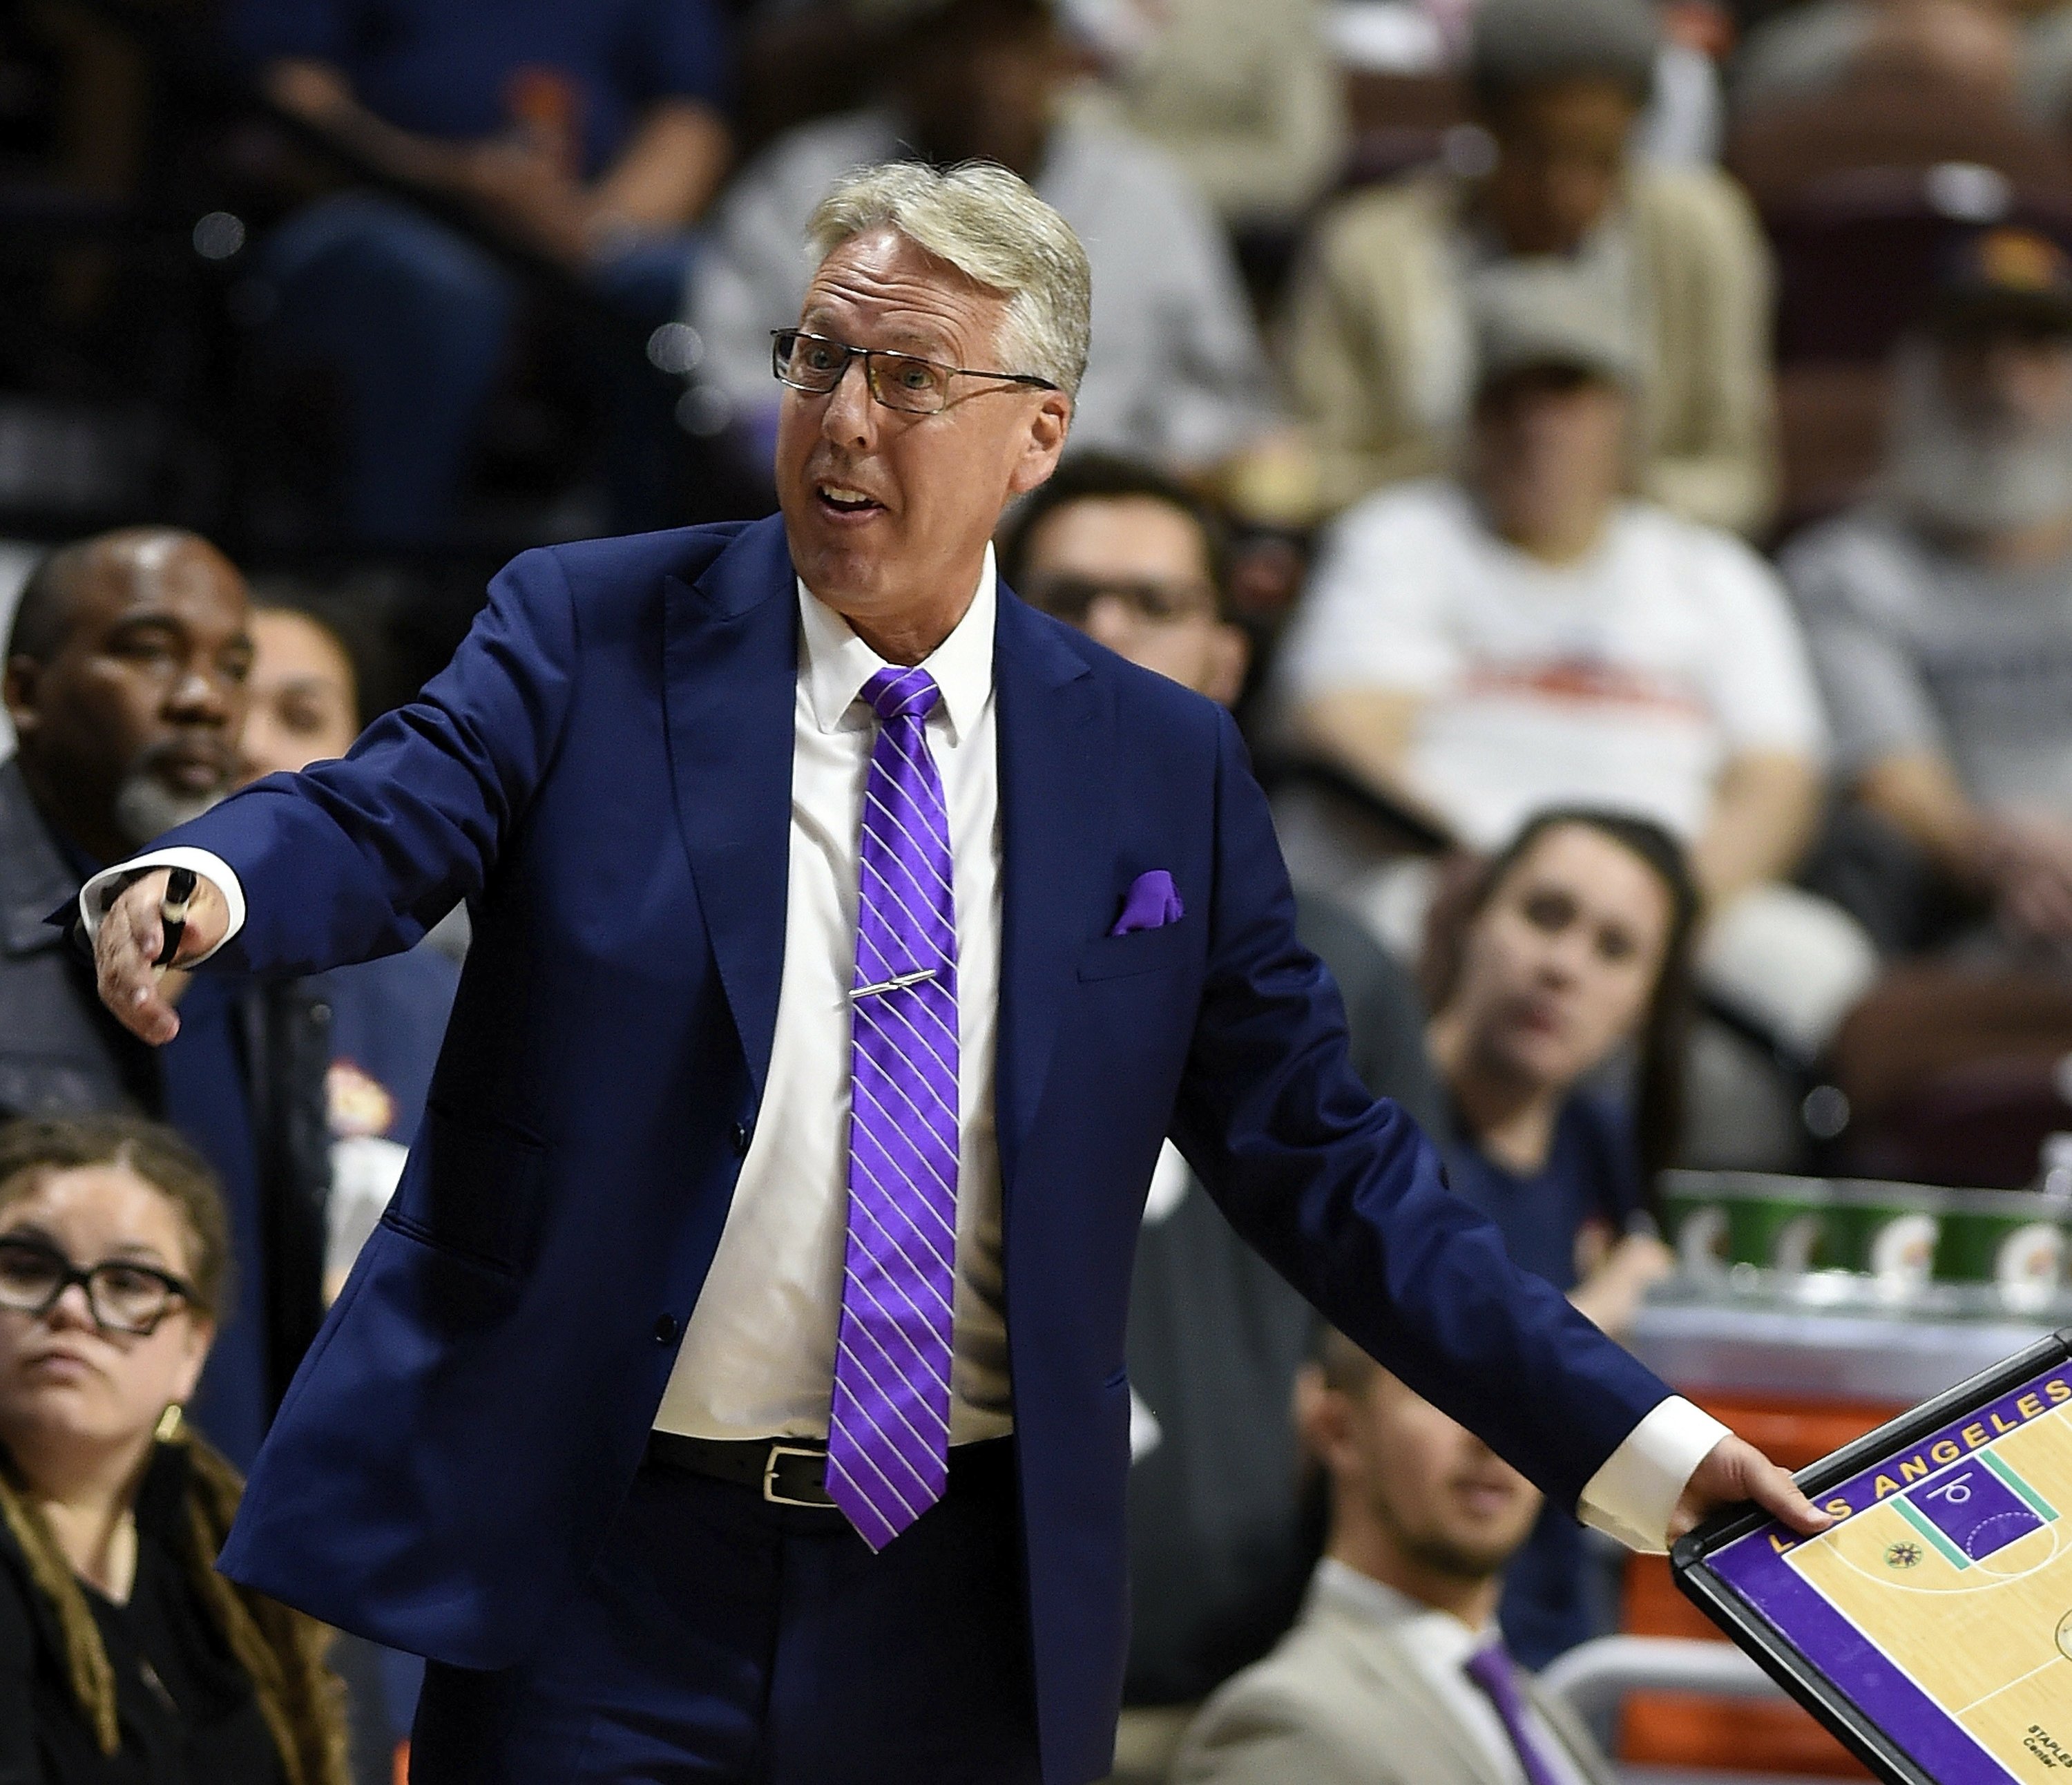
843,499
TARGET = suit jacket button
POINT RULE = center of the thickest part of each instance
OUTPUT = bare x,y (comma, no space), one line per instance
741,1132
665,1329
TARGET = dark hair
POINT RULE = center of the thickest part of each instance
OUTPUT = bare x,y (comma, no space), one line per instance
281,1652
1519,44
37,1145
1110,477
359,641
1658,1067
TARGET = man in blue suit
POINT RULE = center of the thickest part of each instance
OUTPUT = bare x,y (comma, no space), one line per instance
734,1389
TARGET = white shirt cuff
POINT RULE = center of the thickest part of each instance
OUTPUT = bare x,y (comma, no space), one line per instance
1634,1495
99,893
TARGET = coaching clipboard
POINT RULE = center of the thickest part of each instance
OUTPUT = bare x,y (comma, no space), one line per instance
1931,1629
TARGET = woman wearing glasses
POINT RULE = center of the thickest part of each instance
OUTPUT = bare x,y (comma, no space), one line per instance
125,1659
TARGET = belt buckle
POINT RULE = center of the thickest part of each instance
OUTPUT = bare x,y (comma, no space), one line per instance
770,1476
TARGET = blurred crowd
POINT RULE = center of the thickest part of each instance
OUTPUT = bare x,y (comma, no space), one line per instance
1615,457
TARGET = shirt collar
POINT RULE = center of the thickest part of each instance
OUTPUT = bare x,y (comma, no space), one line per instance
836,663
1440,1634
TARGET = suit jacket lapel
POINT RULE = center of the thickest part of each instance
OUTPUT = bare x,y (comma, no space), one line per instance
1584,1753
1056,841
730,657
1378,1649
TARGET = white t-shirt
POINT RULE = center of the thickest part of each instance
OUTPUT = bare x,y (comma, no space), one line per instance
1629,681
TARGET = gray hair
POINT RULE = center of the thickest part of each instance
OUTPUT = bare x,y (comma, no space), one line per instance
986,224
1521,44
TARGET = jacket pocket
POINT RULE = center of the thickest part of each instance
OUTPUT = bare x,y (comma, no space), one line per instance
472,1188
1140,952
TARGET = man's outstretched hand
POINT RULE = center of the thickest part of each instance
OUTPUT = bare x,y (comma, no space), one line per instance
126,951
1733,1471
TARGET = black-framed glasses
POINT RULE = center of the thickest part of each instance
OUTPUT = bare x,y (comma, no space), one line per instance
1070,599
123,1297
902,381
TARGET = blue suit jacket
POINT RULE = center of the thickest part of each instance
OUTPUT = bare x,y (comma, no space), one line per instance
604,773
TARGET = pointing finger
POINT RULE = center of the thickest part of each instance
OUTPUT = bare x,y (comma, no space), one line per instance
1777,1493
131,935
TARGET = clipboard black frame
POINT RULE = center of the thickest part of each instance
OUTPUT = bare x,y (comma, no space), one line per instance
1757,1637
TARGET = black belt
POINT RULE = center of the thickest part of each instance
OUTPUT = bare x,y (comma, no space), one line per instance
784,1471
794,1471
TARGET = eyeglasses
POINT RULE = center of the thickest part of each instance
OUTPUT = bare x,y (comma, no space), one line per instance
901,381
123,1297
1071,598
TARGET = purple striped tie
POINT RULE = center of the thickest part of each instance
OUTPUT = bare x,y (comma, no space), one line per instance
889,1433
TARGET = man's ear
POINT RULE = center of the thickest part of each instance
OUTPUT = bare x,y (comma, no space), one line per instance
17,686
1320,1414
1044,444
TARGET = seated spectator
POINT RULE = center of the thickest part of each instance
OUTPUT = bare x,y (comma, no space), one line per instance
1247,97
388,1016
1380,348
123,1654
302,699
1119,549
1176,374
594,133
1940,615
1571,946
1218,1546
1396,1675
1527,637
1940,611
126,675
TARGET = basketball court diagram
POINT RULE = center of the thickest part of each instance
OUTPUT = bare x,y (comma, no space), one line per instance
1960,1573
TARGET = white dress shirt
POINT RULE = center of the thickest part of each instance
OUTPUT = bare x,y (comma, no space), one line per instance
1439,1645
757,1357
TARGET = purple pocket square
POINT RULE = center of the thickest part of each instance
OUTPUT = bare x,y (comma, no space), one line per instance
1153,903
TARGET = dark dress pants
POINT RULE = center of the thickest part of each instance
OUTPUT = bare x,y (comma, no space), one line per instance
720,1637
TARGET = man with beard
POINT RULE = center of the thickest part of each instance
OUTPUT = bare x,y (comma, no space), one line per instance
1940,611
1397,1675
125,680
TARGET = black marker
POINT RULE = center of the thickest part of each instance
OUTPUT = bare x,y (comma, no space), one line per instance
173,913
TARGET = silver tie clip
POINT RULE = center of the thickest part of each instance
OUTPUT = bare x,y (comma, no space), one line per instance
903,980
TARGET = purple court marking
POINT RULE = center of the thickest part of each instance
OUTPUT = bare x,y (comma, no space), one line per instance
1862,1672
1975,1510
